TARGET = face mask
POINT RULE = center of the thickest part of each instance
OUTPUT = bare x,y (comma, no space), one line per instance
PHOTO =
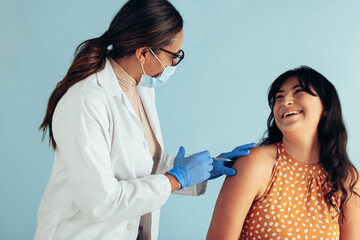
157,81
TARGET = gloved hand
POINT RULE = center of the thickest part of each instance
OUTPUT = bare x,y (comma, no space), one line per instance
191,170
224,167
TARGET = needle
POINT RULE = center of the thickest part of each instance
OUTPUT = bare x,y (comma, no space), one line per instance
222,159
216,158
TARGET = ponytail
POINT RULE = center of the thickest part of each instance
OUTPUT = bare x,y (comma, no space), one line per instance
139,23
89,58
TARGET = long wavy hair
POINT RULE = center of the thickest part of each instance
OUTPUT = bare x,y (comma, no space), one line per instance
139,23
331,130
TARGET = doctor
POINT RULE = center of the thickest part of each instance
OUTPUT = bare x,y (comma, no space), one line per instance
110,175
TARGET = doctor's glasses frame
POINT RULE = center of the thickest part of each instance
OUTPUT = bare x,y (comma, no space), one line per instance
177,57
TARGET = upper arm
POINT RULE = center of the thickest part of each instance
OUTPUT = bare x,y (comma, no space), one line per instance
349,226
237,195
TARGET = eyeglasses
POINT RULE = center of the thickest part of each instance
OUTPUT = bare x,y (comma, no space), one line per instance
177,57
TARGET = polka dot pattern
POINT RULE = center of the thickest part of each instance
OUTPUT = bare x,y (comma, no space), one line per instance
294,205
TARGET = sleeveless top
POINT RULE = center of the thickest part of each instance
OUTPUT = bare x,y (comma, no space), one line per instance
294,205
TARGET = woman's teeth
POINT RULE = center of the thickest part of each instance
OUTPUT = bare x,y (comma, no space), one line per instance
289,113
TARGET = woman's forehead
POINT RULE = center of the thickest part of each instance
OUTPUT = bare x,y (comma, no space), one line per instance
290,82
175,46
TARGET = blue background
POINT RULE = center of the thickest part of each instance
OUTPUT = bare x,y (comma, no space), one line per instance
216,100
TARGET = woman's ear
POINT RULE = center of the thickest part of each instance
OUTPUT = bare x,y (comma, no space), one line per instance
141,54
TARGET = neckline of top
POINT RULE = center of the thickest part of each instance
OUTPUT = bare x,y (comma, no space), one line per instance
309,169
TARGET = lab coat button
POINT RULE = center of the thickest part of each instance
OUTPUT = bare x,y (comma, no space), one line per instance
130,227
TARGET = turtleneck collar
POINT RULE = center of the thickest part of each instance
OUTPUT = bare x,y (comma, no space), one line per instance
127,83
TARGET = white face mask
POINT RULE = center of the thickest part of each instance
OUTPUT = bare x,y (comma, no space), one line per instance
159,80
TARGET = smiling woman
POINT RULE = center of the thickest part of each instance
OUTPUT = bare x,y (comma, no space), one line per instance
296,108
313,191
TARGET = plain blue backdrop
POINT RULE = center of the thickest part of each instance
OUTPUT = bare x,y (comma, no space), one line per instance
216,100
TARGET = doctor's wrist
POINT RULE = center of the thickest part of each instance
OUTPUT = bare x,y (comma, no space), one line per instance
175,184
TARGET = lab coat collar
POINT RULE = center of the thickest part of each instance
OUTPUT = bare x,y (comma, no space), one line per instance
107,80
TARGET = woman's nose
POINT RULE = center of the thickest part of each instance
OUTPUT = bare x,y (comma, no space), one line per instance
288,100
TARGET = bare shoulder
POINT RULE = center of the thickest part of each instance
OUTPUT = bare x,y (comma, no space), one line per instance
263,157
239,192
256,168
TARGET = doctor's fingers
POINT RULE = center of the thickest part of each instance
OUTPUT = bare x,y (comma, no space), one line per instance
202,154
210,167
227,171
206,159
181,152
239,151
245,146
203,159
206,170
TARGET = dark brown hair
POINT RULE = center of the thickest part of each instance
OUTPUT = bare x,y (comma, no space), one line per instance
139,23
331,129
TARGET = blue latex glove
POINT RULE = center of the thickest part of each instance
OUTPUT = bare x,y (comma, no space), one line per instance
224,167
191,170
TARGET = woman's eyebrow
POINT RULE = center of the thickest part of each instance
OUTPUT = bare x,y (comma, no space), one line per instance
296,86
280,90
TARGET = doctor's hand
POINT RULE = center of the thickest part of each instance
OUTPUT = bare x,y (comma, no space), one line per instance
191,170
224,167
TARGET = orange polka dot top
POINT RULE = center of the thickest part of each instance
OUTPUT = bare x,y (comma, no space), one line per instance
294,205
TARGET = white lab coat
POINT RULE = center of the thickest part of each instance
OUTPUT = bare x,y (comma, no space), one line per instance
101,182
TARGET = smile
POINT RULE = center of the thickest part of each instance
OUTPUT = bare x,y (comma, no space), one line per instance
291,113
